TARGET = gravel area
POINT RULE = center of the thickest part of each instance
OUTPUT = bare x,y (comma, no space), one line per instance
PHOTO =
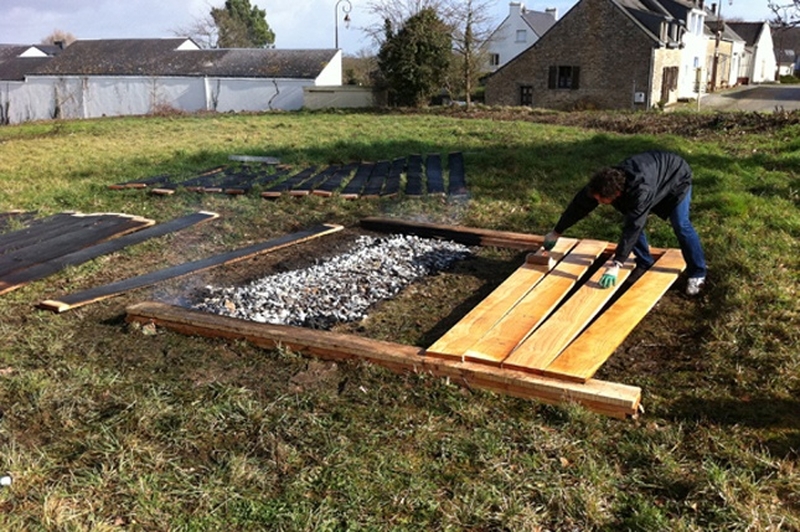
339,289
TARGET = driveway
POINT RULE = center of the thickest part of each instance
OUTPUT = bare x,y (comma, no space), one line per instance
762,98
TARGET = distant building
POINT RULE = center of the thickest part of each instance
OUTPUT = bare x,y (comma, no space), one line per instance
113,77
518,31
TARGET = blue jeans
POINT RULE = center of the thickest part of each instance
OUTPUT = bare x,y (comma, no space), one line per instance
687,239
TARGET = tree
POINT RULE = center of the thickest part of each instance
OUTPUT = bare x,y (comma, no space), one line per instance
415,60
787,12
472,25
241,25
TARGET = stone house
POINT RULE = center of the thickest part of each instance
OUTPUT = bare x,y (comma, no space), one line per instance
725,51
518,31
605,54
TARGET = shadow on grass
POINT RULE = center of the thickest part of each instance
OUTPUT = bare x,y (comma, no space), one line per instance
765,413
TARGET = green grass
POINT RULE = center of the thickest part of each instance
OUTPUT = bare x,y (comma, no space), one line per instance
108,426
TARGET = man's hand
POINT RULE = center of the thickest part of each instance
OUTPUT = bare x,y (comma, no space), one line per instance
550,240
609,277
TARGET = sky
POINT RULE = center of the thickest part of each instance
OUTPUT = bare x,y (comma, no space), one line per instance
309,24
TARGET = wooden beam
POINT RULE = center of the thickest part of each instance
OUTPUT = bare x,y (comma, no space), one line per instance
598,342
103,292
470,236
479,320
617,400
41,270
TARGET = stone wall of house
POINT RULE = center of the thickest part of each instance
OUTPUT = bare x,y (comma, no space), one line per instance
663,90
614,55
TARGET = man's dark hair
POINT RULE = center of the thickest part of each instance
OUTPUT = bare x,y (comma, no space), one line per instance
607,182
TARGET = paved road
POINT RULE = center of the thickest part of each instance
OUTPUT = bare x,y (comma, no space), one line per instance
763,98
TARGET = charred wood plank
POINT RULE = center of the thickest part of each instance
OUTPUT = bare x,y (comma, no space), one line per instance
433,174
353,189
457,181
39,271
109,290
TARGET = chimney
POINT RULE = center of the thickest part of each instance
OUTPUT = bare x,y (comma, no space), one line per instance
552,11
60,44
516,9
714,8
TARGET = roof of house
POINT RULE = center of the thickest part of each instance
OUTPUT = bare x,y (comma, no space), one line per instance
649,14
162,57
539,21
749,31
16,68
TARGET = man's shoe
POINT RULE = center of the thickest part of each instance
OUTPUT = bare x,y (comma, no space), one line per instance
694,285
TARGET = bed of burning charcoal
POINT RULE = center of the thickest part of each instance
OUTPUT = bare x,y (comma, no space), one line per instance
336,289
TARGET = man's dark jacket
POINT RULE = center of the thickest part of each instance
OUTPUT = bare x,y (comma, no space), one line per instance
656,181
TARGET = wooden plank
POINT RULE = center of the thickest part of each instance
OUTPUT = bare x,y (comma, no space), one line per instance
433,174
263,179
232,178
141,183
353,189
336,180
107,227
457,180
533,309
305,188
279,188
478,321
103,292
264,159
373,187
414,176
39,271
545,344
392,186
41,229
583,357
608,398
167,189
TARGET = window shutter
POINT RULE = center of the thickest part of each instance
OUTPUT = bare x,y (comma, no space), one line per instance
551,77
576,77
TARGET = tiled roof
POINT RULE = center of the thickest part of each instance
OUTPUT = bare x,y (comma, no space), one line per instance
161,57
16,68
749,31
538,21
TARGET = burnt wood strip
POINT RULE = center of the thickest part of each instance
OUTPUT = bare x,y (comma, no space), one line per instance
228,177
170,188
457,183
305,188
45,228
433,174
39,271
141,183
376,179
356,185
103,292
262,179
414,176
470,236
331,185
392,186
279,188
103,229
608,398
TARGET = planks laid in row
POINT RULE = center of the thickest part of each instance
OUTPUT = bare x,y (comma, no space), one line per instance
48,245
412,176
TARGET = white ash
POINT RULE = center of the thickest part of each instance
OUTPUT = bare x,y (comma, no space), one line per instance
340,289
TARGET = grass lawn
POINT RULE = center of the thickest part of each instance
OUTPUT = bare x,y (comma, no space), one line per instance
109,426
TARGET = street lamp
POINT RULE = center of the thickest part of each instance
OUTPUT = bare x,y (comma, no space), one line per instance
346,10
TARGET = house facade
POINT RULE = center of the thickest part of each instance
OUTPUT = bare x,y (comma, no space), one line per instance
114,77
759,64
606,54
725,51
518,31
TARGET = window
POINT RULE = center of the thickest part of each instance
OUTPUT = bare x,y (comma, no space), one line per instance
563,77
494,59
526,95
522,35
